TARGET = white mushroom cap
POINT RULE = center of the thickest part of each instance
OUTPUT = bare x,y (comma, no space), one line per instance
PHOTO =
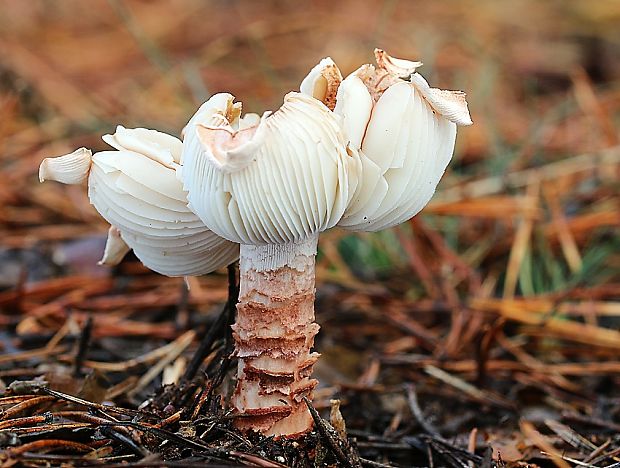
405,133
136,189
278,181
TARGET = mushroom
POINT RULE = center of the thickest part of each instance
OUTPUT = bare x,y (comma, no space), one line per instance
136,189
272,187
365,153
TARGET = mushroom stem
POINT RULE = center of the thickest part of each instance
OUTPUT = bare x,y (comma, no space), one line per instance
274,334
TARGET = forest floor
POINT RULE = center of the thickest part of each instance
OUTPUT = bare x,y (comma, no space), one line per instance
483,333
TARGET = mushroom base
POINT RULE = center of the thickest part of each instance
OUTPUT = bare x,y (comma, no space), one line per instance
274,334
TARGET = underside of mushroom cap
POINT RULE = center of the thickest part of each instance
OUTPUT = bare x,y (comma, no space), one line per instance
278,182
406,132
136,189
144,199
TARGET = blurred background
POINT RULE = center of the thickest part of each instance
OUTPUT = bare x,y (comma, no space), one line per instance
504,294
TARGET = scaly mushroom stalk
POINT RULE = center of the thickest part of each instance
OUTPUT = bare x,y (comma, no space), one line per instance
274,334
